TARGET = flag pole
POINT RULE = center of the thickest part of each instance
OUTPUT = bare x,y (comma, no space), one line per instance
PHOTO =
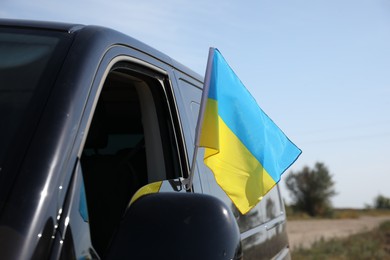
188,182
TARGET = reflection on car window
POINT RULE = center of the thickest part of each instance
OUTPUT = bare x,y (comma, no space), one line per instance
29,59
268,208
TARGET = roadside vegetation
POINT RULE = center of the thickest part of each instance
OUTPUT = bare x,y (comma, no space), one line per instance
338,213
374,244
311,190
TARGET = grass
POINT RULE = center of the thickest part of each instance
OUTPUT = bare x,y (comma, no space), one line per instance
373,244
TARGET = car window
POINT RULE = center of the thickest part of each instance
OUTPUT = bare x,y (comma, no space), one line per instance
267,209
130,143
29,62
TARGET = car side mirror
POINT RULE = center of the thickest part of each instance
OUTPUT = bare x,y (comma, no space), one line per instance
173,225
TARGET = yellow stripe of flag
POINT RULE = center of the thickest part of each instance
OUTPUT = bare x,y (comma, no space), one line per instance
244,148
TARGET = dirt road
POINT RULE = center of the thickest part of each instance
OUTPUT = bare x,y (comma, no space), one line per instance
305,232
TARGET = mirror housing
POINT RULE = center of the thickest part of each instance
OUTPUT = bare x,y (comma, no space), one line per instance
175,225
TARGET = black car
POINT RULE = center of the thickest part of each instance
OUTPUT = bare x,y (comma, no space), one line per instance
90,117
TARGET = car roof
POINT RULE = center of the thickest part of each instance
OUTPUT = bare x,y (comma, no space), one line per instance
114,36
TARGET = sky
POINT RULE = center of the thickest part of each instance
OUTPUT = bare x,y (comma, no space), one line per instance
319,69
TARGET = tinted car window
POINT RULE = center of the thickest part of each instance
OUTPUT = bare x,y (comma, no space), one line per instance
29,63
25,64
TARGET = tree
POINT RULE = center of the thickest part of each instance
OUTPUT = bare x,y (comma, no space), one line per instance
381,202
311,190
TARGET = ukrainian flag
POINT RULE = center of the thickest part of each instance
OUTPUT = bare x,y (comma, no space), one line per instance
244,148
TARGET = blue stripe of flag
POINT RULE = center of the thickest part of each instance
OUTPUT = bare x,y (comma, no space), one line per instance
248,122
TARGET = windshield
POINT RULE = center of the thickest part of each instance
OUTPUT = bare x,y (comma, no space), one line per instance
29,61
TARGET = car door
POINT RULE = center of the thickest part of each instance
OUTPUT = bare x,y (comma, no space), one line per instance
131,138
